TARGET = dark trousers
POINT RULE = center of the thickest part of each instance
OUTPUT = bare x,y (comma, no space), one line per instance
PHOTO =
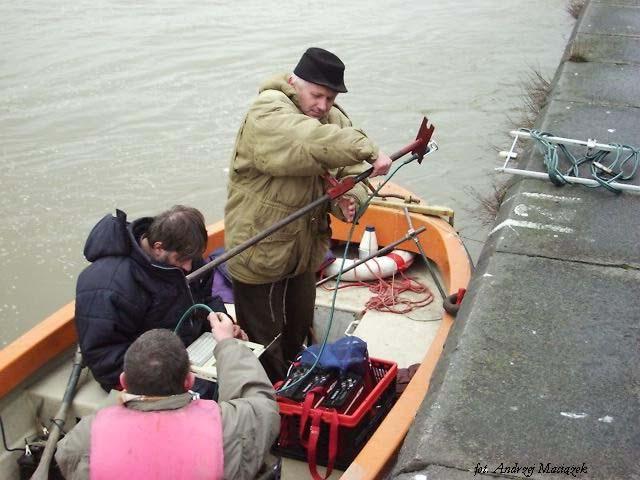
285,306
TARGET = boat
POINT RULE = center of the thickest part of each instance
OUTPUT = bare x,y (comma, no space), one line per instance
34,369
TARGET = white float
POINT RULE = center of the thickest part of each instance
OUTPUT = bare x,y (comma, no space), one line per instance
380,267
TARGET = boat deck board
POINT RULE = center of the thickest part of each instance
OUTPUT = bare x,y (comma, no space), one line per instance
402,338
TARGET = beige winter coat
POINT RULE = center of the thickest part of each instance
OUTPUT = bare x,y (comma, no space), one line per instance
277,165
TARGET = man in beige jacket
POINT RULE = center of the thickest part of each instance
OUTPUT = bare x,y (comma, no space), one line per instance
293,134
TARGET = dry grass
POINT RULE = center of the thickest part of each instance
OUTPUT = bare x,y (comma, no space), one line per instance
489,205
575,7
536,91
536,94
578,53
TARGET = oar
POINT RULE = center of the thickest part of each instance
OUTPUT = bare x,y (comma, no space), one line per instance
382,251
418,148
42,472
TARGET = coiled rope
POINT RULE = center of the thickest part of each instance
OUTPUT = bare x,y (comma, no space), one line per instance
388,294
605,168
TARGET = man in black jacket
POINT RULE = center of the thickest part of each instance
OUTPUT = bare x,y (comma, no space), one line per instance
136,282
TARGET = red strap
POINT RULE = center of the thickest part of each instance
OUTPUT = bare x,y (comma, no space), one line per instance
309,400
283,439
313,444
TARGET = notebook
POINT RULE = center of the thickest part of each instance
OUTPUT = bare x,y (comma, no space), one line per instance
203,363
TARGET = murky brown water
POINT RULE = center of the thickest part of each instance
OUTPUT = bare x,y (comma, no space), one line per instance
135,105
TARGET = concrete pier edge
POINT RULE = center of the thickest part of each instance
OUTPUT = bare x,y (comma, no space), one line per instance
540,377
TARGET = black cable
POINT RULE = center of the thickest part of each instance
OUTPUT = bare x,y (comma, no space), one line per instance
59,423
473,267
4,440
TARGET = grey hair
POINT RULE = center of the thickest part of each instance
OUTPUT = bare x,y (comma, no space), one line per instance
296,80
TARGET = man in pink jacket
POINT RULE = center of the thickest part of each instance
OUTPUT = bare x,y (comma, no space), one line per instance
162,431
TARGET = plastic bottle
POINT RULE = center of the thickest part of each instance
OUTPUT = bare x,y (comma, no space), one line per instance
368,243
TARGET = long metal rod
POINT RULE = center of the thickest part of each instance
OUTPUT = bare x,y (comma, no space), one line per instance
262,235
579,180
415,146
570,141
424,256
382,251
255,239
42,472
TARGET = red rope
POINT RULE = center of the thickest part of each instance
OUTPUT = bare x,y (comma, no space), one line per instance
388,294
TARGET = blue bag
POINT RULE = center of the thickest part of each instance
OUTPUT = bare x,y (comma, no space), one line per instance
347,354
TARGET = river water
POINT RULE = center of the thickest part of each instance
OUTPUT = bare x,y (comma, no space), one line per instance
135,105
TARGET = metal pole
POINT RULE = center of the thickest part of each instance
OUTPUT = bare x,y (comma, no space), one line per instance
578,180
253,240
382,251
424,256
42,472
570,141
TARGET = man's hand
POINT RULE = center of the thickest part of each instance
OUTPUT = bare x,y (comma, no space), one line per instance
221,325
348,207
382,165
239,333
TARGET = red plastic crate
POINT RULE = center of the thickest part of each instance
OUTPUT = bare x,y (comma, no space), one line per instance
351,431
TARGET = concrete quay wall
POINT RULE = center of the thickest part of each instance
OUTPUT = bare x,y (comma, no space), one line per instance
540,377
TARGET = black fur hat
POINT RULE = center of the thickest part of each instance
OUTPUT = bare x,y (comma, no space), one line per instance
323,68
